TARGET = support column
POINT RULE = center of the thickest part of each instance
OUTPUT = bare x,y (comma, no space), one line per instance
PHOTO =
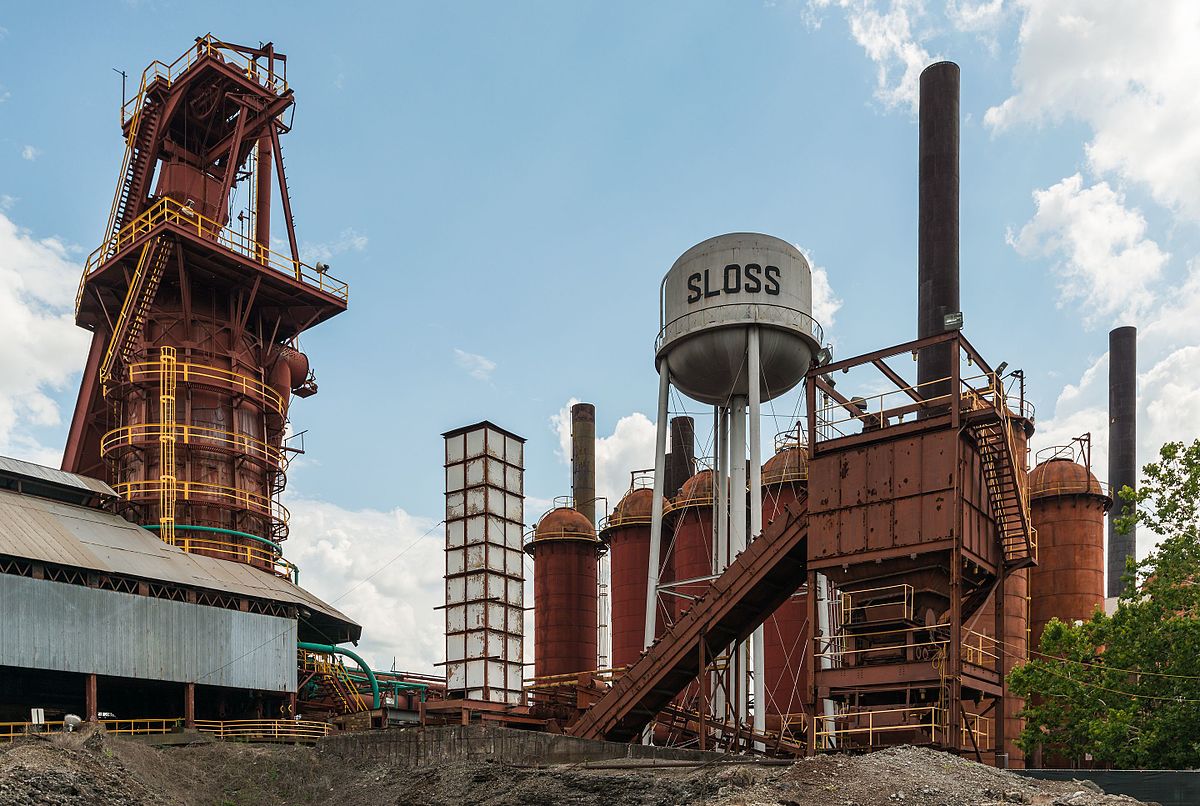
189,706
753,364
656,512
720,537
90,705
737,533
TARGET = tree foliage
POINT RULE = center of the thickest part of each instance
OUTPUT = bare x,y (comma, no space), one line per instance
1125,689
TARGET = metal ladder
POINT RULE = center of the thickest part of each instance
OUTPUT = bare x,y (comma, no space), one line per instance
1009,498
137,165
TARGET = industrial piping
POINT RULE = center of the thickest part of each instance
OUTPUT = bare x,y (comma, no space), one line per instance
1122,446
937,221
330,649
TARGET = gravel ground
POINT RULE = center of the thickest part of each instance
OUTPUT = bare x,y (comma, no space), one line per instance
91,768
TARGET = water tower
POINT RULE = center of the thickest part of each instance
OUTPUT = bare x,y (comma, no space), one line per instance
736,330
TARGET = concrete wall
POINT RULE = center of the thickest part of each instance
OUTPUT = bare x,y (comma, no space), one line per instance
418,747
72,628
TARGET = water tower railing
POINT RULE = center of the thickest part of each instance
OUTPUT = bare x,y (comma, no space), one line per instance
773,315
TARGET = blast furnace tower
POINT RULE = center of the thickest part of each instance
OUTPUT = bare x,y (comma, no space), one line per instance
194,315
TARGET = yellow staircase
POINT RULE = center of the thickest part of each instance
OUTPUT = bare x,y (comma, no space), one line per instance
142,289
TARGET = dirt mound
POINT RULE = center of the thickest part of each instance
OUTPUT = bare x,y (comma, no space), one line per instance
94,769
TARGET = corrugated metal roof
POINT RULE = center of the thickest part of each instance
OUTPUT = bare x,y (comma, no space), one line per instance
66,534
52,475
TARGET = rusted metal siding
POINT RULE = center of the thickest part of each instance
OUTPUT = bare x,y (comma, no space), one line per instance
883,495
72,628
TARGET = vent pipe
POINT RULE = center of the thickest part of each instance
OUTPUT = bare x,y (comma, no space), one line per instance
1122,440
583,459
937,221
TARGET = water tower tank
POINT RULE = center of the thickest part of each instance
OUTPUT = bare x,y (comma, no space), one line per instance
710,296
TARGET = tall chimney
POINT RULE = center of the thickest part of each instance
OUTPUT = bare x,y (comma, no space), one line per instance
583,459
682,458
1122,440
937,221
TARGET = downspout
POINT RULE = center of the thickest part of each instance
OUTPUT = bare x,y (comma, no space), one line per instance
330,649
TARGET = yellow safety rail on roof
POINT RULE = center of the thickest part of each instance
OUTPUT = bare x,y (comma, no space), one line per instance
168,211
205,46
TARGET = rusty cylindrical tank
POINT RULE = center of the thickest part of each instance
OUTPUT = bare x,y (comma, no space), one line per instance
565,551
692,555
1067,506
627,535
786,631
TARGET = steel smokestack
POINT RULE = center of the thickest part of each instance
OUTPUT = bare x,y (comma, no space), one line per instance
583,459
1122,442
681,461
937,219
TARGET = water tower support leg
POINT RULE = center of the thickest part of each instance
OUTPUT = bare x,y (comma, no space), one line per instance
656,512
753,364
737,531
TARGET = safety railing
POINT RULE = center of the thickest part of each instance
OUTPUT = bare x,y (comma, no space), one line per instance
1070,487
734,314
896,406
205,46
142,434
976,731
554,681
831,648
262,555
863,605
266,730
868,727
124,727
169,211
204,493
204,375
980,649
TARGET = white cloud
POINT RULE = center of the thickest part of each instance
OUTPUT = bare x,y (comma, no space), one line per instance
1128,72
477,366
629,447
30,153
886,32
980,17
825,303
348,240
43,348
337,549
1106,264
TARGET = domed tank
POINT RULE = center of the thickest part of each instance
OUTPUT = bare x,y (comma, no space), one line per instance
627,534
565,551
1067,505
692,556
717,288
786,631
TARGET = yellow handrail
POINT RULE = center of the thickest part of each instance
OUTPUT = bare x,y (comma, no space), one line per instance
202,491
169,211
250,553
186,373
287,730
143,433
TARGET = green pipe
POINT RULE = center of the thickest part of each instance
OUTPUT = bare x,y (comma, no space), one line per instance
330,649
219,530
398,685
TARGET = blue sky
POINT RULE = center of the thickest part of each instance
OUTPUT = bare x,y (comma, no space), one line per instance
503,186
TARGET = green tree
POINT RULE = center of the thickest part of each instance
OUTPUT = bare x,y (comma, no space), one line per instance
1126,689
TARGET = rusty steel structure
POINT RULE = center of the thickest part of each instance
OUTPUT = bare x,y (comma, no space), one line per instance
565,553
194,315
626,533
787,631
1068,506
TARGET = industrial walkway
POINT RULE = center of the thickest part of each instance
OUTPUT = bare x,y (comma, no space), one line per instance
754,585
